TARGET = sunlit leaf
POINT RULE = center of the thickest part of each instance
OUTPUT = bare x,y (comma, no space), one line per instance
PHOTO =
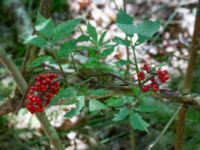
92,32
46,27
64,29
96,105
125,23
147,29
40,60
79,106
36,41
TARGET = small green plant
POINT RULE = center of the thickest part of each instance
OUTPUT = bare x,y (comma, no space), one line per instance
97,78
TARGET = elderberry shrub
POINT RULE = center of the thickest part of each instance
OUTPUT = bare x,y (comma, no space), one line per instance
161,76
41,92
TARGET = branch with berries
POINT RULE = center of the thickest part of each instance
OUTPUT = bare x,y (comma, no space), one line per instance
22,85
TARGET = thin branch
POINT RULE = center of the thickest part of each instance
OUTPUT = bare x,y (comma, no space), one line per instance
13,71
136,64
45,8
192,99
50,131
164,129
188,80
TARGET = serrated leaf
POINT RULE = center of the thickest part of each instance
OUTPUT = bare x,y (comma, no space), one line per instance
40,60
75,111
64,29
121,41
68,93
138,123
102,37
92,32
147,29
122,114
36,41
115,102
96,105
67,48
125,23
45,28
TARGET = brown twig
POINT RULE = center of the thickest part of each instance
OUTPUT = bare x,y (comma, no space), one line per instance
188,80
45,8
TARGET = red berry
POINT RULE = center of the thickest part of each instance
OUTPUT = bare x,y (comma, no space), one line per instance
155,87
41,93
140,75
146,67
162,75
145,88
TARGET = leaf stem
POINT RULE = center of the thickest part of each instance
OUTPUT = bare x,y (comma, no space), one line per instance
136,64
60,66
127,49
74,64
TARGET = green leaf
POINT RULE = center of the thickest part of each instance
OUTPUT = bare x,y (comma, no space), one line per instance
45,28
98,92
40,60
106,52
147,29
67,93
75,111
122,62
128,99
102,37
91,64
115,102
96,105
92,32
82,38
67,48
121,41
122,114
64,29
40,19
146,108
125,23
124,18
137,122
136,91
36,41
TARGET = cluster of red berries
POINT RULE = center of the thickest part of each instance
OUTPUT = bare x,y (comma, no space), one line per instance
162,77
42,91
